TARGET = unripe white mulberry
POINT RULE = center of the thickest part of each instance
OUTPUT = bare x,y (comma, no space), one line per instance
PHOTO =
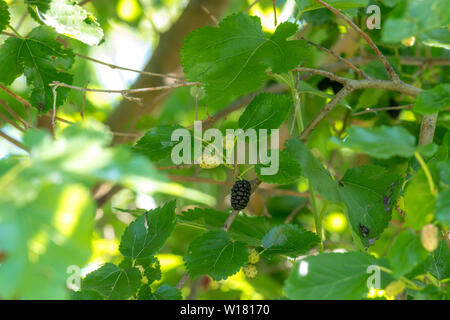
209,162
253,256
429,237
250,271
395,288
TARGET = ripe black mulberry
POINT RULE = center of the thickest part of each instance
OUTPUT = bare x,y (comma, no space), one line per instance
240,194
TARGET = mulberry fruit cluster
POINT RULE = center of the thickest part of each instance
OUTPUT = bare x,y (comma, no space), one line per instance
250,271
253,257
209,162
240,194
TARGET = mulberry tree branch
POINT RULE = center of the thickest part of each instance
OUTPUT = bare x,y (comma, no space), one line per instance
387,66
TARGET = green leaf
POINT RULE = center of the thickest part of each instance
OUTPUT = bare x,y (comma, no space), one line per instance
437,38
414,18
433,100
333,276
312,169
152,269
72,20
265,111
148,233
43,60
308,5
112,282
42,5
369,193
42,233
395,30
406,253
216,255
444,172
71,158
4,16
289,240
369,98
380,142
419,202
157,143
166,292
443,207
427,150
232,59
289,170
11,63
249,229
305,87
439,261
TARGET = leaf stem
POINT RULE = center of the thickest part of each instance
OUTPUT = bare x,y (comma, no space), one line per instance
408,282
15,31
246,170
426,170
317,216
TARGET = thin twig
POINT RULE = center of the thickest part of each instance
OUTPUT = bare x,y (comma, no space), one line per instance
143,110
323,73
180,166
14,114
274,3
84,103
22,19
387,66
263,187
82,3
126,91
120,134
251,6
182,281
15,125
55,93
112,66
343,60
15,96
328,107
294,212
375,110
13,141
210,15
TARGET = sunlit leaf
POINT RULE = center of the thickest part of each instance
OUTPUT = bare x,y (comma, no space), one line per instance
406,253
112,282
233,58
380,142
216,255
4,15
289,240
245,228
433,100
265,111
288,171
331,276
72,20
148,233
43,60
